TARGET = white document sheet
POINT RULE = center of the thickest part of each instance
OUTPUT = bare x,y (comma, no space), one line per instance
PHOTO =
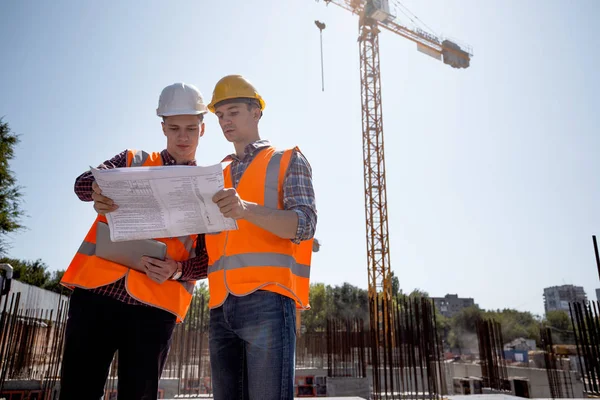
158,202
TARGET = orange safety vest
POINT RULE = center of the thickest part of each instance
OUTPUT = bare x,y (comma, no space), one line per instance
89,271
250,258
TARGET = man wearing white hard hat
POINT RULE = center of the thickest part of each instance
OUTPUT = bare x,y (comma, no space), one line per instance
115,308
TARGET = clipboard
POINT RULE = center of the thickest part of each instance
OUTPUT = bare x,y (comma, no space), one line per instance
127,253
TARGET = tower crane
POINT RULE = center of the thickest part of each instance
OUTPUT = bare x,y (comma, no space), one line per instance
375,16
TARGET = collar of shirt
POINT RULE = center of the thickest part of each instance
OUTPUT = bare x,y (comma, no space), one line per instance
249,150
169,160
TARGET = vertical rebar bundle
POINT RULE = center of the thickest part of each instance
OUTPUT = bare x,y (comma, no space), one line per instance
559,378
409,365
596,253
189,359
311,350
403,349
491,354
346,348
31,343
586,326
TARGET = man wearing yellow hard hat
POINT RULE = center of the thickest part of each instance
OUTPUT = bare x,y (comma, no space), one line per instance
258,274
132,310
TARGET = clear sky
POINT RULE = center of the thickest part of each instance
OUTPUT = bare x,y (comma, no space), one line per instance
492,171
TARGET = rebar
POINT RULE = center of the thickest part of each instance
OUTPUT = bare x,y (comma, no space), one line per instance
596,253
345,348
405,358
31,343
188,360
410,364
493,363
586,325
559,377
311,351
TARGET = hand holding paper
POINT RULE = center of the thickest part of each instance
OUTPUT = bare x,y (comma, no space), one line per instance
102,204
157,202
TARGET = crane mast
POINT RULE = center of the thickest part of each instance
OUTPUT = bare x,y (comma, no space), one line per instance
373,15
378,255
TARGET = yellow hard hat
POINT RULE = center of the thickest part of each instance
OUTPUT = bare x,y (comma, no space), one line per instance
234,87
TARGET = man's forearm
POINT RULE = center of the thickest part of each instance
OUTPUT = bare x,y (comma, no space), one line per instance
195,268
283,223
83,183
83,186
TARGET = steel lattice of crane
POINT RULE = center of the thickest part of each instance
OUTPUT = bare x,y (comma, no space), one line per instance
375,15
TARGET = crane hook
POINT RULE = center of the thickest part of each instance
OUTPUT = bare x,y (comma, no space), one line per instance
321,26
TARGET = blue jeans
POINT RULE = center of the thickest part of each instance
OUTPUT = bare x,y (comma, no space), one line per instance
252,347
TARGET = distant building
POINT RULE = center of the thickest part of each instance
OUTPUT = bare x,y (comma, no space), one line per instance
451,304
521,344
558,297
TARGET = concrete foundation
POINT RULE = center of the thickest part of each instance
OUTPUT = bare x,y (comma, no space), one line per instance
361,387
538,378
338,387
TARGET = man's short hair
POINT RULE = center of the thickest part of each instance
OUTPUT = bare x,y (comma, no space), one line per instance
200,117
250,102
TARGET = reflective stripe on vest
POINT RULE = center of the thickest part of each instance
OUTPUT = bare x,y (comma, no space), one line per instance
260,260
226,271
88,271
272,181
89,249
139,158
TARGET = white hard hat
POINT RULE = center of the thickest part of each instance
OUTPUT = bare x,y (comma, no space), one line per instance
180,99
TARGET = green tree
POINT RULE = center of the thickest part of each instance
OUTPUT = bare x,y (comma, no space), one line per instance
418,293
198,314
463,328
516,324
560,324
443,326
315,319
349,301
10,193
31,272
341,302
395,285
36,273
53,283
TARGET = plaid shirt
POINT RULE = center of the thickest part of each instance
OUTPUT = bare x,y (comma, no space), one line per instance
192,269
298,193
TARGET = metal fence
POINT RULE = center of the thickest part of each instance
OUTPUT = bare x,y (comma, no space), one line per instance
31,344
